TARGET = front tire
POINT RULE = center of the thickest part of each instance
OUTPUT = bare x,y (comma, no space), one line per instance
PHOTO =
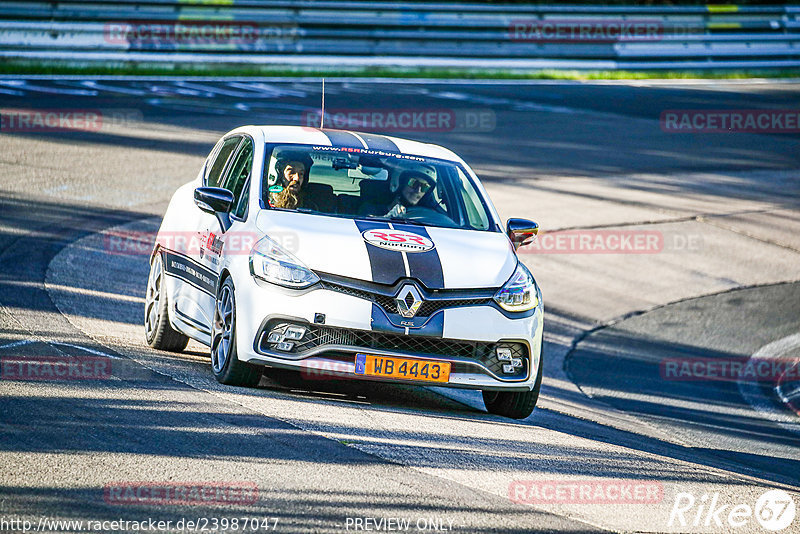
225,364
515,404
158,332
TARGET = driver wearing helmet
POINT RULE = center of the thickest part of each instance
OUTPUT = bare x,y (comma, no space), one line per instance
287,192
414,185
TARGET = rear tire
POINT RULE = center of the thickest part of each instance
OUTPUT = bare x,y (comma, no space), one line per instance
158,332
225,364
515,404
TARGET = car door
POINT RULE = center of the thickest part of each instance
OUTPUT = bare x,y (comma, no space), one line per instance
194,298
236,179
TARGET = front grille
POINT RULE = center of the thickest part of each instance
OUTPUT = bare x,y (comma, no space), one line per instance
429,307
387,302
483,352
322,335
350,291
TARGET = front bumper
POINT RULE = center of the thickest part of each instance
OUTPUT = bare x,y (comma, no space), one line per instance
471,335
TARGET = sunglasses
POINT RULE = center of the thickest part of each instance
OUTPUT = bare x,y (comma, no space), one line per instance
420,185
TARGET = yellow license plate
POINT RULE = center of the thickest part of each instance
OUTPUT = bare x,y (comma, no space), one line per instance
404,368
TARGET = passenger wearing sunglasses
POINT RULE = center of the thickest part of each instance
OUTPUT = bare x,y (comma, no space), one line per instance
414,186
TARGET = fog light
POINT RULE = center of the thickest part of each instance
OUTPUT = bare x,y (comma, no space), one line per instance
516,362
294,332
509,369
284,346
274,337
504,354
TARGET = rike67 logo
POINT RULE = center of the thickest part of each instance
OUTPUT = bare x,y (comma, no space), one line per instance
774,510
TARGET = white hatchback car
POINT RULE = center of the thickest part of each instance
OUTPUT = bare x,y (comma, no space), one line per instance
346,254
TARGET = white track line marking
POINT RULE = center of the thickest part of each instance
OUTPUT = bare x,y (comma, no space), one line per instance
213,90
85,349
16,344
48,90
265,89
12,92
59,343
113,89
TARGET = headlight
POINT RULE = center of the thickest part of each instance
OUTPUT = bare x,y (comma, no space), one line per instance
519,293
271,263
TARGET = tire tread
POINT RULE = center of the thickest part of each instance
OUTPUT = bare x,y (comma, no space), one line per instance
166,337
235,372
515,404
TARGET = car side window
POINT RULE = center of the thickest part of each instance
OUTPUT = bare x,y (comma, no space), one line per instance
238,175
216,168
476,215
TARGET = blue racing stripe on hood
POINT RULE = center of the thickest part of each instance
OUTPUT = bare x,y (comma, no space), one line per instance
424,266
387,265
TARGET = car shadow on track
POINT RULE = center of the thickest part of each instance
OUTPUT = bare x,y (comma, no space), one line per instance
667,367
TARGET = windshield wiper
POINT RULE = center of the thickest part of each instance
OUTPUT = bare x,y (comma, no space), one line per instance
392,219
409,221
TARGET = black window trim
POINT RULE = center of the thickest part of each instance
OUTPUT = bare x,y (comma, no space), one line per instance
212,155
247,207
230,157
234,155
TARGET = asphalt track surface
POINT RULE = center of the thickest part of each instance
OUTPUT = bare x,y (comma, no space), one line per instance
586,157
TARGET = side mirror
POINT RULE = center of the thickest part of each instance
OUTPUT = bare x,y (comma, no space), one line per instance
213,199
216,201
521,231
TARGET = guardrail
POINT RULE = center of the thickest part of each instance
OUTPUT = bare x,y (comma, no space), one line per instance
366,33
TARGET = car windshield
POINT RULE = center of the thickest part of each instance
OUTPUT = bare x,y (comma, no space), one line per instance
373,184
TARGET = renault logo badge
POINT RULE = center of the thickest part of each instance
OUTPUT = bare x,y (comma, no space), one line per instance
408,301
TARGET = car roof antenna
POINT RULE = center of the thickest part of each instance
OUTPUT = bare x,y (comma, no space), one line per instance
322,112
